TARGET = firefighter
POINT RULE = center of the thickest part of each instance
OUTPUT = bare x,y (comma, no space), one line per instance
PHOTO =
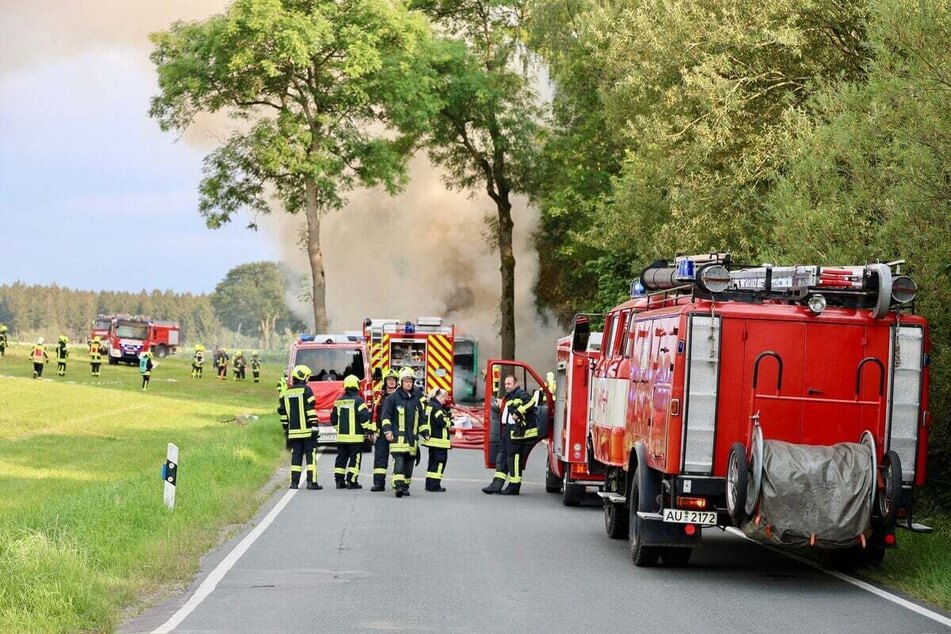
222,365
517,411
198,361
39,356
381,447
298,410
95,355
3,340
403,423
350,416
238,366
439,421
62,352
146,365
255,367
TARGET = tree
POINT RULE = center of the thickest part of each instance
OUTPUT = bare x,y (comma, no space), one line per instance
319,91
253,294
485,131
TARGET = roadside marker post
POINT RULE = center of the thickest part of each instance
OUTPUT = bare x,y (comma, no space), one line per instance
170,475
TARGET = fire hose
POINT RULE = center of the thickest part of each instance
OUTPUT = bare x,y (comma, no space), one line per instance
468,431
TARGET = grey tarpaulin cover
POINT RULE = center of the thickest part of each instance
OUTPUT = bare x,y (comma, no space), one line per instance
813,491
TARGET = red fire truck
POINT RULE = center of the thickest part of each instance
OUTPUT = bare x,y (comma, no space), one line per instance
427,346
331,357
791,402
130,335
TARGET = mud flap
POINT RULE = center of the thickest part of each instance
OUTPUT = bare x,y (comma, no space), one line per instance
653,530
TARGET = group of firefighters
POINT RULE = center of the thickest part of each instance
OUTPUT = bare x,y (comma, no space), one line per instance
400,422
220,358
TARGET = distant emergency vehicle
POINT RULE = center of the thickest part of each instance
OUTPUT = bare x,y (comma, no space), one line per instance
426,346
130,335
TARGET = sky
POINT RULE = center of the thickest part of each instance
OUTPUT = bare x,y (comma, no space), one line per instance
93,195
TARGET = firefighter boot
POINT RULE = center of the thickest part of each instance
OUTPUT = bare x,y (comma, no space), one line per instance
511,489
313,486
295,479
495,487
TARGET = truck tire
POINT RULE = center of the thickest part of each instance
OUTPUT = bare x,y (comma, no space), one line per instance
571,494
737,484
615,520
552,482
676,557
641,555
161,351
113,361
887,497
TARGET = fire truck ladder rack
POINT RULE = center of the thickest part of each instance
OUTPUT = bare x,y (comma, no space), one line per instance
716,277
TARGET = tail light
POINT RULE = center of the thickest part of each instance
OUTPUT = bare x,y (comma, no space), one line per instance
691,503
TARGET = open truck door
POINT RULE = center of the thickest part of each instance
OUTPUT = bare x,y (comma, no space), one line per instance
531,382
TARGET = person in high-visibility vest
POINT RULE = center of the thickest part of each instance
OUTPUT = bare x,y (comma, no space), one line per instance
255,367
238,366
3,340
298,411
95,355
145,368
62,353
439,420
350,416
40,357
381,446
403,423
198,361
222,363
519,434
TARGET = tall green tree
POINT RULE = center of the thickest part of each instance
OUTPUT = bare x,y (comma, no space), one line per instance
323,94
254,296
485,130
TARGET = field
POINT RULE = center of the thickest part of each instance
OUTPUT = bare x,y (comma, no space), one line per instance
83,530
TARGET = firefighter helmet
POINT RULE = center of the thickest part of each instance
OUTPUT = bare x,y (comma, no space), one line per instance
3,328
96,339
351,382
407,373
40,341
301,373
63,339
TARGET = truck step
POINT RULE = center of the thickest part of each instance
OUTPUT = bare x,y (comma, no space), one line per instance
647,515
915,527
612,497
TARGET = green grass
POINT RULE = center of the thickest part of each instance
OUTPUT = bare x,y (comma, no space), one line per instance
83,530
921,565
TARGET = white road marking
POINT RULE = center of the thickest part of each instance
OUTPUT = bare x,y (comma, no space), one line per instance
212,580
858,583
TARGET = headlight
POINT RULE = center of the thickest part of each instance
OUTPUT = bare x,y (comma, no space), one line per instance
904,289
714,278
817,303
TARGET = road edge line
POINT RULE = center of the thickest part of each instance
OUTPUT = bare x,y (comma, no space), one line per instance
224,566
858,583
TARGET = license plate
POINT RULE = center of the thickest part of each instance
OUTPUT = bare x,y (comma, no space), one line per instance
680,516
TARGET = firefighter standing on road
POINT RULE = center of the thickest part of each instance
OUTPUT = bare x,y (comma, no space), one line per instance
439,421
198,361
350,416
256,367
298,410
145,368
62,352
403,422
3,340
95,355
39,356
519,435
381,447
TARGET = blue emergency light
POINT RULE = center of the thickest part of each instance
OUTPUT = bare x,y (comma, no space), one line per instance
306,338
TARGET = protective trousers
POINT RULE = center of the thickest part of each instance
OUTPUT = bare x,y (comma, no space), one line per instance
347,465
403,463
501,461
299,447
381,456
436,466
517,451
61,368
37,370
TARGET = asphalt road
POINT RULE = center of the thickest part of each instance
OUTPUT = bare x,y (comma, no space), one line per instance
463,561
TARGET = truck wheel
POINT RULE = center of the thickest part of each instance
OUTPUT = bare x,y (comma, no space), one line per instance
676,557
889,494
161,351
571,494
737,484
641,555
756,472
113,361
615,520
552,482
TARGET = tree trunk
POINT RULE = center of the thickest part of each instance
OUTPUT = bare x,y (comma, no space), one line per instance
507,269
316,256
264,333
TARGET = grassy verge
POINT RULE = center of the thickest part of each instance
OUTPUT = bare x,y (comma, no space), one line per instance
83,531
921,565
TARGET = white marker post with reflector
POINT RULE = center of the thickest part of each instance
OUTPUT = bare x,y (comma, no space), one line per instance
170,475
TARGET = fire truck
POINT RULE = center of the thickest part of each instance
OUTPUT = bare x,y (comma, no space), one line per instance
130,335
331,357
427,346
789,402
